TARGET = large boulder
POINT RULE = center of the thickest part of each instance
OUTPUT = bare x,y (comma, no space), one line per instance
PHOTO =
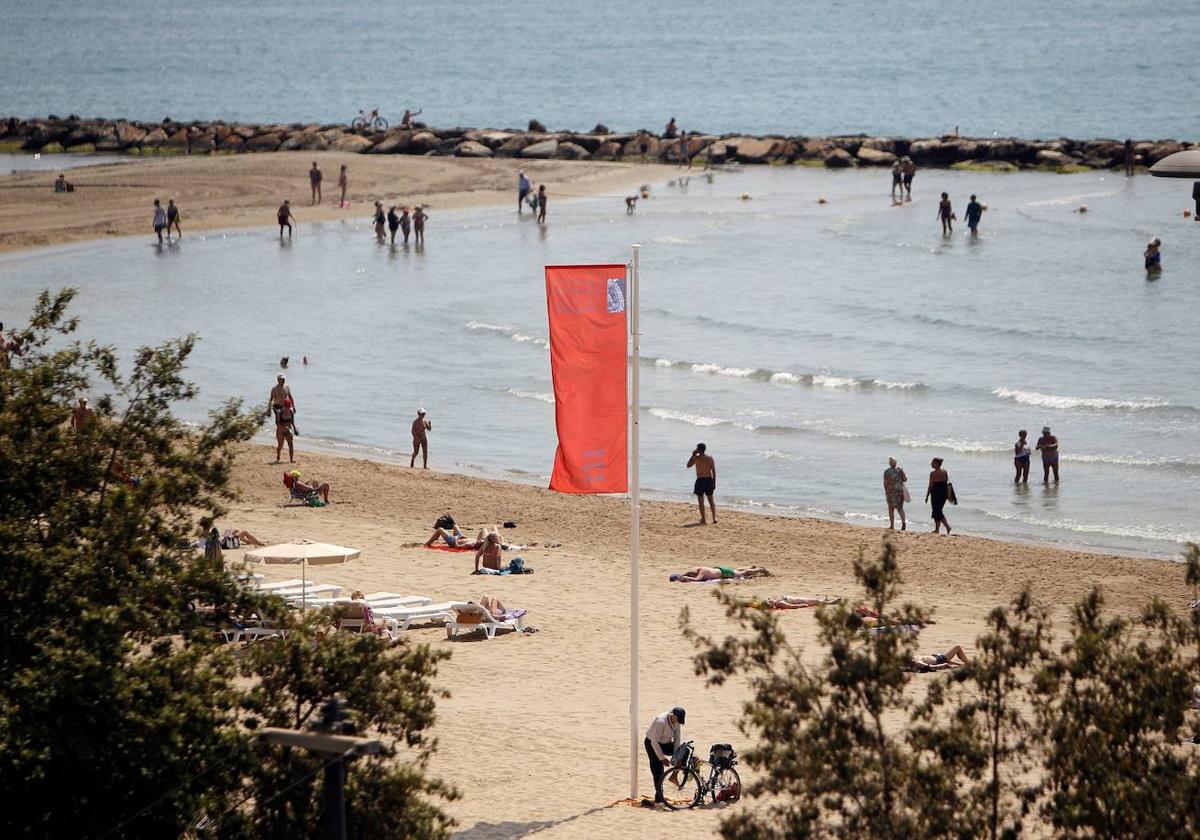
491,138
753,149
231,142
264,143
245,131
537,127
314,142
472,149
154,138
933,152
591,142
394,143
881,144
542,149
607,149
570,151
1054,158
1161,150
634,147
422,142
875,157
718,152
351,143
204,143
839,159
177,139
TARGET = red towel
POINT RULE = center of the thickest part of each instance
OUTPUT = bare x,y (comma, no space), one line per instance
444,547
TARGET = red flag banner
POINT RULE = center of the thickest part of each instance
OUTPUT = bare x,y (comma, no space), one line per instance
588,338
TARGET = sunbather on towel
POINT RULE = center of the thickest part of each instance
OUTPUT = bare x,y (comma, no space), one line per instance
497,610
455,538
875,624
790,602
489,551
700,574
939,661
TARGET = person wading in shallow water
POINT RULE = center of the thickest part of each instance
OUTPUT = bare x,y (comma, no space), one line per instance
1048,445
706,480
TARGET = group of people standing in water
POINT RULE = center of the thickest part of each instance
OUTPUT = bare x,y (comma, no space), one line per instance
940,490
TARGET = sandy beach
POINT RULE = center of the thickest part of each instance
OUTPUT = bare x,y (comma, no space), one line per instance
535,732
234,191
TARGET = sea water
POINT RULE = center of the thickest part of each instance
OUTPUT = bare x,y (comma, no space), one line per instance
804,343
1083,68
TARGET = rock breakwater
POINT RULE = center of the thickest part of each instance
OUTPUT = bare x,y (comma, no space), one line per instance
85,135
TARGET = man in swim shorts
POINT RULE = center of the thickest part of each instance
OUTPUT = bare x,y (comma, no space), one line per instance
706,480
160,220
1048,445
314,181
524,185
939,661
420,429
702,574
285,218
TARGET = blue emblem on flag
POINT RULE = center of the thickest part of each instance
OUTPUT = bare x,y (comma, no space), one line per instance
616,294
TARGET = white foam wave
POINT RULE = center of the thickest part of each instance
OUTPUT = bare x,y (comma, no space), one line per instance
663,363
786,378
530,395
1069,199
719,370
777,455
826,381
1065,403
511,332
953,445
700,420
480,325
1141,532
895,386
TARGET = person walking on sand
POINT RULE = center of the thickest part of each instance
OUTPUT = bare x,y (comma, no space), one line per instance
974,214
160,220
894,491
405,224
343,182
314,180
663,737
173,220
541,198
1153,257
910,170
380,223
897,182
285,428
1048,445
393,222
946,214
285,217
420,431
706,480
418,221
1021,457
524,185
939,491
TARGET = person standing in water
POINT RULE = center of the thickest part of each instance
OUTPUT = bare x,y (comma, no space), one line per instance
343,182
939,491
897,182
541,197
893,490
1153,257
706,480
160,220
1048,445
974,214
1021,457
946,214
173,220
420,429
910,170
1129,158
393,222
380,223
314,181
524,185
405,224
418,221
285,217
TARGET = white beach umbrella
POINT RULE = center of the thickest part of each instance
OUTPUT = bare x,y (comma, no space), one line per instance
304,553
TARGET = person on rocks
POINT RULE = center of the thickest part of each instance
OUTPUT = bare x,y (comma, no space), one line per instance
314,180
671,130
285,218
406,122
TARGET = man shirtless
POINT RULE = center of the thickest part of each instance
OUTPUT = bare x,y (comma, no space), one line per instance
706,480
279,395
420,428
701,574
939,661
82,416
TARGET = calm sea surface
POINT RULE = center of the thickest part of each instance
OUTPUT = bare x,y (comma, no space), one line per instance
1084,68
804,343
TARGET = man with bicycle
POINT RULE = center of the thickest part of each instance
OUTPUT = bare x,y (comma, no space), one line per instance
662,739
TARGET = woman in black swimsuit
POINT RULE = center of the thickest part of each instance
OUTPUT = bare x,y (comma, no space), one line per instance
939,482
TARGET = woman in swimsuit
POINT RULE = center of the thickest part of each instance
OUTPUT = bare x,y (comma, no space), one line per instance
419,217
939,481
1153,257
1021,457
393,222
405,223
946,214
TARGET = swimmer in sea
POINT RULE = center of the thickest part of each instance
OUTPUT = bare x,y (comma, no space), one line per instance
946,214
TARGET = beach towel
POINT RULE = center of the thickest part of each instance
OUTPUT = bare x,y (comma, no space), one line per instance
444,547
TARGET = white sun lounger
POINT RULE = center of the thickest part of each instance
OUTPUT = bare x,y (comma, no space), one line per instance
471,617
277,585
376,601
303,592
408,616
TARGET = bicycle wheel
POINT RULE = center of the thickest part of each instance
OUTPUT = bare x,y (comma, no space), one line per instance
358,124
727,786
681,788
381,124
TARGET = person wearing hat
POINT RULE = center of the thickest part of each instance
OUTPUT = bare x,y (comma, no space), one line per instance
524,185
662,739
1048,445
420,442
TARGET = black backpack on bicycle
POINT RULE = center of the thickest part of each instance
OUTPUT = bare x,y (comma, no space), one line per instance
722,756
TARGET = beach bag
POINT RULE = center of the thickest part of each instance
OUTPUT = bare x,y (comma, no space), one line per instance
517,566
721,755
682,756
950,496
904,492
231,541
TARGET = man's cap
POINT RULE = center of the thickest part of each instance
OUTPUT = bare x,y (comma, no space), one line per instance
1045,430
679,713
420,411
280,377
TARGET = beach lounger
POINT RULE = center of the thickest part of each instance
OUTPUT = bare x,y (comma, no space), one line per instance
408,616
299,593
471,617
276,585
392,600
358,617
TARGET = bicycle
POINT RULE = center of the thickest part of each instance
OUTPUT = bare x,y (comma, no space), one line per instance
690,780
373,121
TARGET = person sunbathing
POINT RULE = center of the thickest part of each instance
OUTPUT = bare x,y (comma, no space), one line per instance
312,488
454,538
489,551
701,574
874,624
790,602
497,610
938,661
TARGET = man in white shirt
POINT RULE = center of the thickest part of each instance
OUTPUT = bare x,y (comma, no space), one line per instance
662,739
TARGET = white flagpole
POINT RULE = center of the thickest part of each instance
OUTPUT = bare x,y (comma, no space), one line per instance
634,527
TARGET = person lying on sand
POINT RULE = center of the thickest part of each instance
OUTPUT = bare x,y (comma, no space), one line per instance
938,661
453,536
865,618
700,574
791,602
